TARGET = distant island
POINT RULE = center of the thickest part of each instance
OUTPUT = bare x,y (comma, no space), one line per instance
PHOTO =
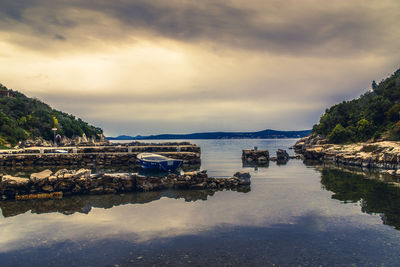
265,134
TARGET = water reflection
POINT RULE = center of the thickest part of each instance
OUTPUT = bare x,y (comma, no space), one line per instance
286,219
254,165
85,203
373,195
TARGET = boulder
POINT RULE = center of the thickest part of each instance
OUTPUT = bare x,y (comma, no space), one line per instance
255,155
242,177
83,173
282,156
40,176
11,181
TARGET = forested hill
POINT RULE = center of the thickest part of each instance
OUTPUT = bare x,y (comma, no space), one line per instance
375,114
22,117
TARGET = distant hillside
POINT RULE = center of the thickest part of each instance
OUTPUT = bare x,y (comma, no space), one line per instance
22,117
221,135
376,114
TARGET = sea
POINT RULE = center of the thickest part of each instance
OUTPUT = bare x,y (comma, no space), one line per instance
294,214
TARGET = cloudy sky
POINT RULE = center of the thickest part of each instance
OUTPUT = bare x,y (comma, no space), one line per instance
177,66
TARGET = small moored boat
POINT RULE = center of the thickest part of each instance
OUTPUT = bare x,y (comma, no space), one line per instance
155,161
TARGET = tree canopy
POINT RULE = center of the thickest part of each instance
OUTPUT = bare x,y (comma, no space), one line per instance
375,114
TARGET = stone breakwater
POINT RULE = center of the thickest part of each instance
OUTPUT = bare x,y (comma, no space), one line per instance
71,182
87,159
96,155
117,148
384,155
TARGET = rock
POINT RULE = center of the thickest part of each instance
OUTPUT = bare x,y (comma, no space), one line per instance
97,191
40,176
212,185
11,181
282,155
242,175
52,178
84,138
68,175
243,178
110,191
199,186
85,173
262,160
65,185
47,188
255,155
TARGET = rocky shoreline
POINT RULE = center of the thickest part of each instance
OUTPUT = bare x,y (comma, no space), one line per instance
71,182
383,156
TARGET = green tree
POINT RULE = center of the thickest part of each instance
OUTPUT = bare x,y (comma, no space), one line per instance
365,129
393,114
340,134
374,85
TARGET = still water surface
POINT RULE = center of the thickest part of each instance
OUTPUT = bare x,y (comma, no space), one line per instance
294,214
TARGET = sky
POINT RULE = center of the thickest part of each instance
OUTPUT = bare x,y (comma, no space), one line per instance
149,67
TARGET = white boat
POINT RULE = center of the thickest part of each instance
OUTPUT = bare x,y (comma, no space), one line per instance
156,161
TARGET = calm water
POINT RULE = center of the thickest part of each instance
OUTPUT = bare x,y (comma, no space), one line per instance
294,214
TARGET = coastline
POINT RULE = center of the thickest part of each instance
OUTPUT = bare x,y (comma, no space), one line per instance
383,156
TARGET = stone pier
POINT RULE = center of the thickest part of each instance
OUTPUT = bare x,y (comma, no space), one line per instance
99,156
71,182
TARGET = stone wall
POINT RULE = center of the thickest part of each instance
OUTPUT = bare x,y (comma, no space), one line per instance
71,182
122,148
86,159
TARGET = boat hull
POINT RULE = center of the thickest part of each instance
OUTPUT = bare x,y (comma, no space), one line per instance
167,165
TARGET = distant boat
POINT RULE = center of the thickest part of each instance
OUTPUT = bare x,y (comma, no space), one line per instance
155,161
60,151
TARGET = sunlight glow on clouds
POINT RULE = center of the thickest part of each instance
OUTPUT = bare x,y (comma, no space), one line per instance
140,67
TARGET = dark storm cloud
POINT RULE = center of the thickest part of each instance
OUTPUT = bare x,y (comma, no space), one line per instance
284,27
10,9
